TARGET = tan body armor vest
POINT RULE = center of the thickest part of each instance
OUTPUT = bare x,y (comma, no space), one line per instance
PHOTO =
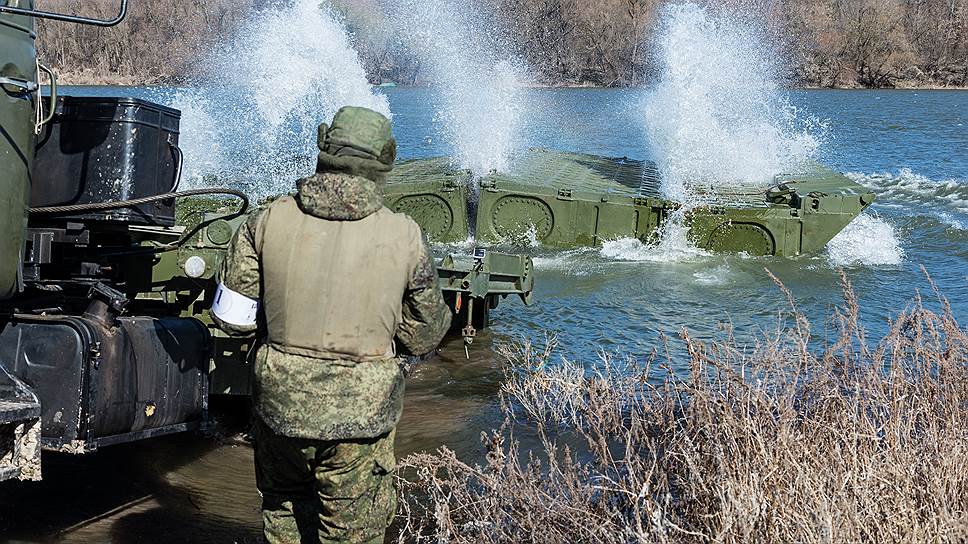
334,289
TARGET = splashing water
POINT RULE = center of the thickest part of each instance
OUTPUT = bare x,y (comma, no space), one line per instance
673,245
719,275
199,136
482,103
287,70
951,221
867,240
907,186
716,115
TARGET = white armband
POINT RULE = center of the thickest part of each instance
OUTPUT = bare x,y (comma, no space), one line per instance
234,308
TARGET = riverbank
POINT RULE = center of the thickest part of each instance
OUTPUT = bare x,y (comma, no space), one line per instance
844,440
90,78
602,42
794,440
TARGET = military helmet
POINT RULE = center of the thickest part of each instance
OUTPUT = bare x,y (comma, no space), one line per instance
359,132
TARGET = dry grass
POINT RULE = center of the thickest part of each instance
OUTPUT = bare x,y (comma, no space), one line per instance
790,440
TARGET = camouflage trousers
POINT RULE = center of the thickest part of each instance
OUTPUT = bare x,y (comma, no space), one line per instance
325,491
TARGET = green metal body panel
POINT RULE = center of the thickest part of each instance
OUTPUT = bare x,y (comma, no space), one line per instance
17,118
435,194
568,199
510,211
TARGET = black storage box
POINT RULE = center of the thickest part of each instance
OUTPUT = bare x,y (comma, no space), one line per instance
108,149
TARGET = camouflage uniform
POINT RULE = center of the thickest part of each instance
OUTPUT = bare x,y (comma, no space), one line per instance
345,285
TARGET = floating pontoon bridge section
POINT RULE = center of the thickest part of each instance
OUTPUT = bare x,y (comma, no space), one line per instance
566,200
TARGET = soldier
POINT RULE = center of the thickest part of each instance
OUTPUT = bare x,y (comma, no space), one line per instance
342,286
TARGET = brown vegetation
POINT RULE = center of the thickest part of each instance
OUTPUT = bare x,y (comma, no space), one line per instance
158,41
831,43
784,441
878,43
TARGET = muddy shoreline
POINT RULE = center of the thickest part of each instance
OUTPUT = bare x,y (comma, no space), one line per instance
193,487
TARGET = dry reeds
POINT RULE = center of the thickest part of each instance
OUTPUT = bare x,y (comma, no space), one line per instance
784,441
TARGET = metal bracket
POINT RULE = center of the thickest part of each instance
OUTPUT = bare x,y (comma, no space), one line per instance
24,85
469,332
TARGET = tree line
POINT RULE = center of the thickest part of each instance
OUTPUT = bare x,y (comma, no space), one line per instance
827,43
158,42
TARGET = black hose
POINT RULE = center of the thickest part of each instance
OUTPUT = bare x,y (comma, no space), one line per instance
72,208
100,206
68,18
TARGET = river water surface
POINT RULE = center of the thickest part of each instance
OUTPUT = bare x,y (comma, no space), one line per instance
909,147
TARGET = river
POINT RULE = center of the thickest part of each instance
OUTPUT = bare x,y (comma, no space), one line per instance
909,147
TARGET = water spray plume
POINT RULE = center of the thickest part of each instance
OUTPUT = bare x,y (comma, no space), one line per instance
287,70
301,57
481,95
717,115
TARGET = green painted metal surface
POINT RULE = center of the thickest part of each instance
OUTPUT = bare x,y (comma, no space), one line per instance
17,117
434,193
566,200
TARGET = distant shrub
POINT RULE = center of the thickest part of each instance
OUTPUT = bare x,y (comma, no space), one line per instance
871,43
158,42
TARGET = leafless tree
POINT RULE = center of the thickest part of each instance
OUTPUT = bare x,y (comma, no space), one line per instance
870,43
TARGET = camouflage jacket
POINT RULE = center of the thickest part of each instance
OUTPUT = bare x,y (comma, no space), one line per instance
320,374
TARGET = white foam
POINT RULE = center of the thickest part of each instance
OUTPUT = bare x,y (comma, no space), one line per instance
910,187
673,246
481,96
717,114
867,240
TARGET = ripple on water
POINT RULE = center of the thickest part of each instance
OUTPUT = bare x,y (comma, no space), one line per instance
908,187
235,498
719,275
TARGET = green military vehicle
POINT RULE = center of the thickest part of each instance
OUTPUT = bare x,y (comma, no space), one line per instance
566,200
107,268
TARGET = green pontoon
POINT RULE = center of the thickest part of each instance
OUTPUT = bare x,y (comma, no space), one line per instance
566,200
